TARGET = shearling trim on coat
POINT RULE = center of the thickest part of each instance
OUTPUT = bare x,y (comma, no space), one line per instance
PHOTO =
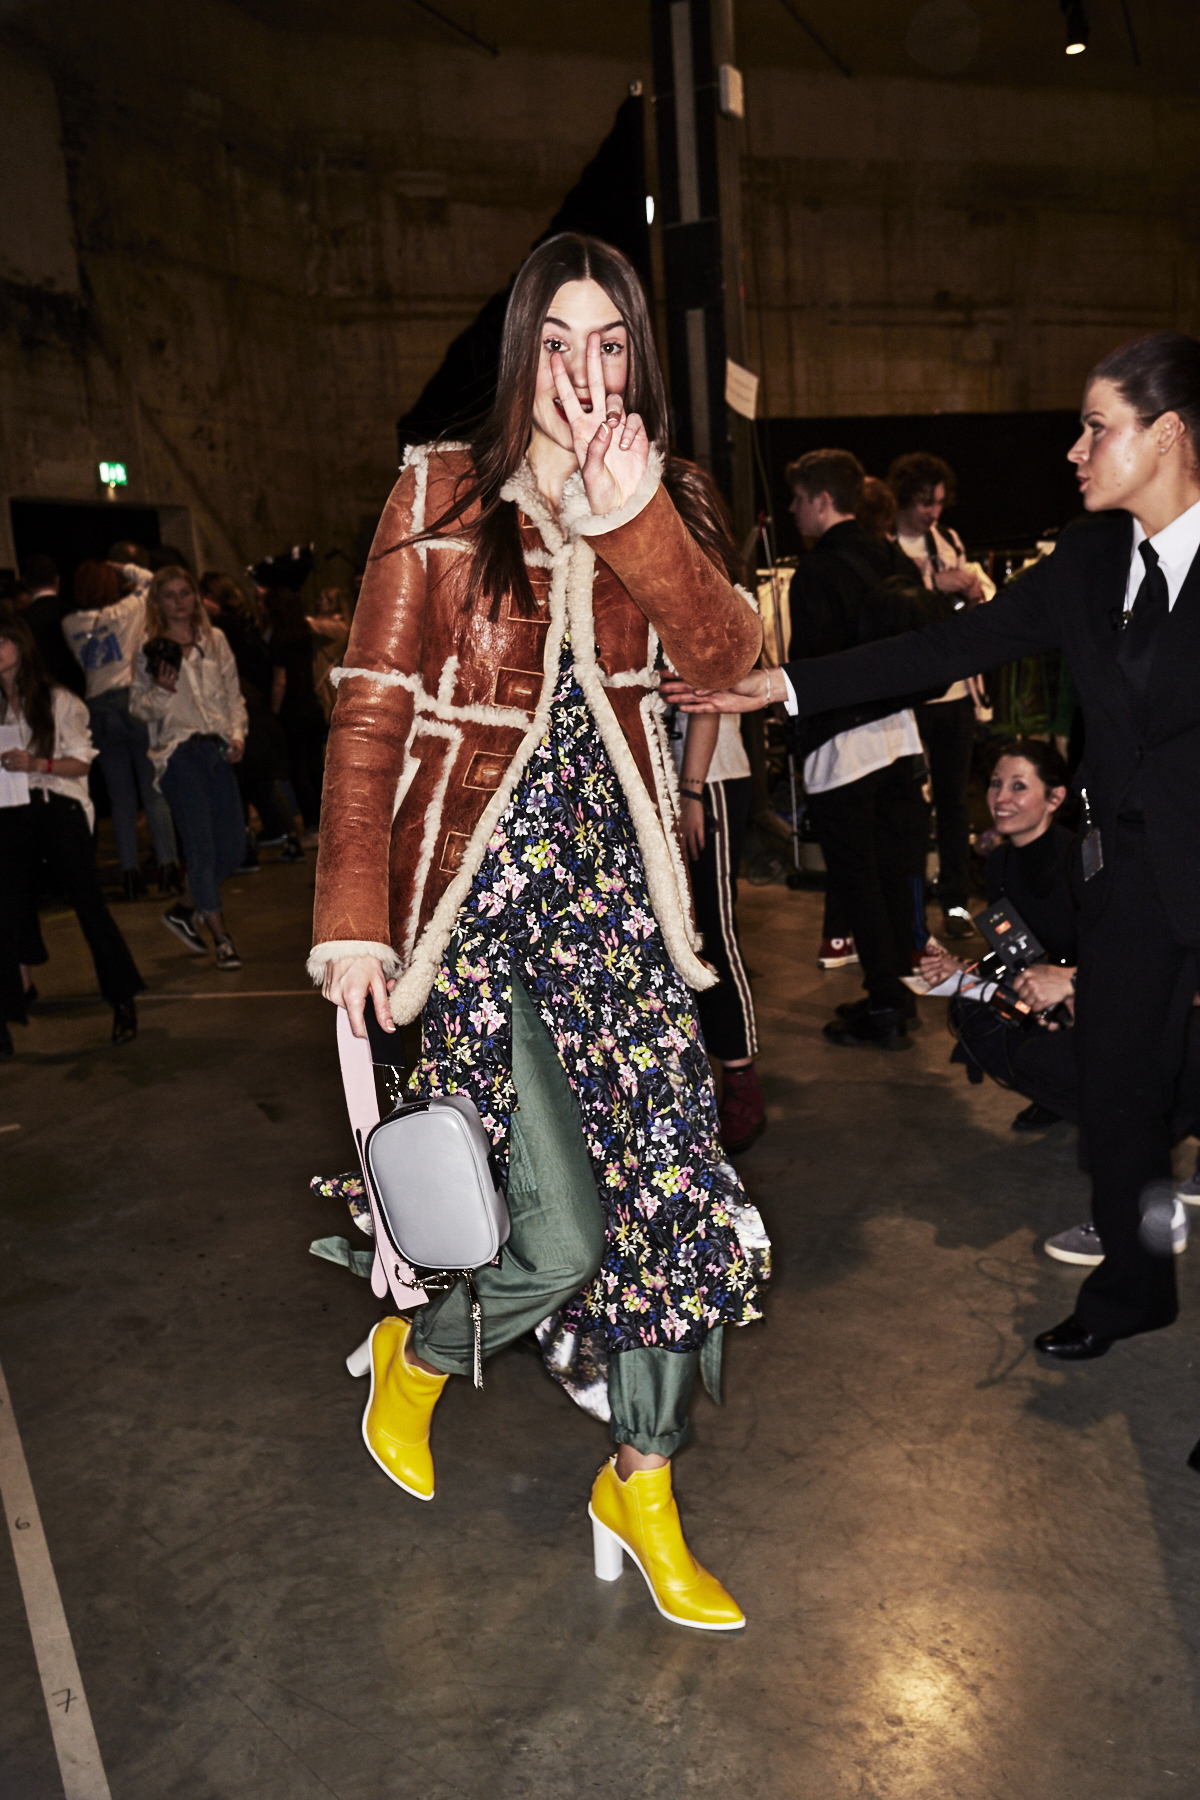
417,457
322,954
429,705
412,988
575,512
667,883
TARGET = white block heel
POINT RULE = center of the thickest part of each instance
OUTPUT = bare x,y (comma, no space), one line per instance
608,1552
359,1361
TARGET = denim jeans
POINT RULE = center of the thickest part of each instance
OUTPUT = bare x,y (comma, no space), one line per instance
207,808
121,741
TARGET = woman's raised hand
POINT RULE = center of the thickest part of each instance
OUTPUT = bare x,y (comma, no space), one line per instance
348,981
611,446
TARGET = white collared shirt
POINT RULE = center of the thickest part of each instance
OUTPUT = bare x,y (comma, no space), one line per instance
1175,546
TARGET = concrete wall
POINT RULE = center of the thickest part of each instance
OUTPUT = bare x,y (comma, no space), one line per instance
231,253
917,247
277,235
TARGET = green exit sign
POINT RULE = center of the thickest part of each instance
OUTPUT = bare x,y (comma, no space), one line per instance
114,474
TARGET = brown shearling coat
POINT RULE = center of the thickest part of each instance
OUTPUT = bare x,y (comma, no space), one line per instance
439,708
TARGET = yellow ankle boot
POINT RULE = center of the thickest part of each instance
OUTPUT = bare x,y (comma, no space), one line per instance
639,1518
396,1423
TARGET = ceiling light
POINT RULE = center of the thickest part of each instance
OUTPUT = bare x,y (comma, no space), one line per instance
1077,27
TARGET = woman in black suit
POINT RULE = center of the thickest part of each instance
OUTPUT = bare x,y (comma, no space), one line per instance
1120,597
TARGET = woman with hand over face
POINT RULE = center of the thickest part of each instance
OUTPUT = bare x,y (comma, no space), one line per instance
1120,597
185,686
500,856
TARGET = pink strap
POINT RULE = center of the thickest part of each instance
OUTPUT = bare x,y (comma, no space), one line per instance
358,1080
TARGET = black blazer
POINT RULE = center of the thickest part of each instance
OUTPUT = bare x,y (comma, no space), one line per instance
1072,601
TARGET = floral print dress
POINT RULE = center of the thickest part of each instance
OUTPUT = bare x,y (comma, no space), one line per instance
561,898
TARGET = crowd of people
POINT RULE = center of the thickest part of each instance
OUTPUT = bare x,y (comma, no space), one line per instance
205,706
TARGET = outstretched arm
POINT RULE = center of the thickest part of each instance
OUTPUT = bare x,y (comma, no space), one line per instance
1019,622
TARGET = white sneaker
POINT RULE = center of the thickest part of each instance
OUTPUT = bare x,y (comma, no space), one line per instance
1189,1191
1165,1220
1180,1225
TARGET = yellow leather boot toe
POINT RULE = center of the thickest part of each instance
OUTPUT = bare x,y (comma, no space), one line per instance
396,1423
639,1518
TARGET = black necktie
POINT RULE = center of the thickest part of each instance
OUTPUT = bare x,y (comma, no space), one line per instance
1152,607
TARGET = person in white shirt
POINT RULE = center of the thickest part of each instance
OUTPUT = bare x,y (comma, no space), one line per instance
188,693
923,485
104,634
46,823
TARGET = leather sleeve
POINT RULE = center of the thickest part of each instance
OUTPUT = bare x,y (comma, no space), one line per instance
711,634
370,725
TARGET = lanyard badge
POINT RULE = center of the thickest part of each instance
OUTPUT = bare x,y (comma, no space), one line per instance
1091,848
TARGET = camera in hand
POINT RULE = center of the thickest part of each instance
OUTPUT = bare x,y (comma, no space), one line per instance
1012,948
160,653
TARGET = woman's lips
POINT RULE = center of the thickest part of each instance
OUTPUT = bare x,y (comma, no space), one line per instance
562,411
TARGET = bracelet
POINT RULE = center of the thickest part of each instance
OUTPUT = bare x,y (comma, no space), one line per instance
49,765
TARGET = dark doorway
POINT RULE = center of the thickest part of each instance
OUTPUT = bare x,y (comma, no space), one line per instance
71,533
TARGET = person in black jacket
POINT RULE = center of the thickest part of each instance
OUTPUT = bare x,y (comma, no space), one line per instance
860,771
1120,597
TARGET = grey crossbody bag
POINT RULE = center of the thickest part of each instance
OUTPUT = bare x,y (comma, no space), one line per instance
436,1194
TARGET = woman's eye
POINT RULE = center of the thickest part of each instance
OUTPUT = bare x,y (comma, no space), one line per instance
553,344
612,348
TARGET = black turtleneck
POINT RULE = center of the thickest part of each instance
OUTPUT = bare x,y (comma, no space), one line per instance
1037,879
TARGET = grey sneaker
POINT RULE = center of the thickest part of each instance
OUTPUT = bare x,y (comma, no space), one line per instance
227,956
1079,1245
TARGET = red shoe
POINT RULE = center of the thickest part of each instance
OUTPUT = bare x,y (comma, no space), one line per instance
742,1114
836,953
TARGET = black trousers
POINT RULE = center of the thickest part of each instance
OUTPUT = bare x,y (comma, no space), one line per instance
947,730
50,838
1039,1065
264,763
304,730
726,1011
864,830
1135,984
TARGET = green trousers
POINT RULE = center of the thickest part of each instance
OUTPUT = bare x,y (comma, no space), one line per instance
555,1248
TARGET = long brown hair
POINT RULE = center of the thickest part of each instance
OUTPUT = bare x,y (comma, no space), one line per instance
498,444
35,695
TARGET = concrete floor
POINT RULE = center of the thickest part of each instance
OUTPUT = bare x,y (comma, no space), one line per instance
966,1575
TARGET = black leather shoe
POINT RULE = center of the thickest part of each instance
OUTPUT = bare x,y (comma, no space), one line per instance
884,1030
1035,1118
1069,1342
131,884
853,1009
1193,1461
124,1023
170,881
